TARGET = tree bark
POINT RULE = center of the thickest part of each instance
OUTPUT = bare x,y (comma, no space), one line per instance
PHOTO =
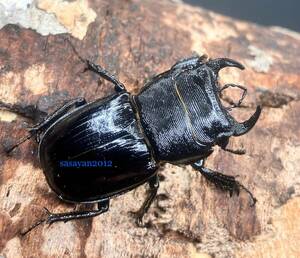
190,218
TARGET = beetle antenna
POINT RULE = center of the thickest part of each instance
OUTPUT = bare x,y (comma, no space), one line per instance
234,105
237,152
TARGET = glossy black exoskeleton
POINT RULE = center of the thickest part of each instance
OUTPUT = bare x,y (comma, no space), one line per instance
176,118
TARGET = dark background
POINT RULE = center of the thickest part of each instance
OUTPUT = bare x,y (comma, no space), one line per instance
284,13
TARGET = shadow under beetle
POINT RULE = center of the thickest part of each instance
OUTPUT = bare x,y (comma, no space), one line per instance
176,118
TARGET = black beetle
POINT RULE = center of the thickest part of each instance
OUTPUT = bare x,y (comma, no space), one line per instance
176,118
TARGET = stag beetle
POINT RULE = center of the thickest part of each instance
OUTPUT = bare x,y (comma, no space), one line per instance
177,118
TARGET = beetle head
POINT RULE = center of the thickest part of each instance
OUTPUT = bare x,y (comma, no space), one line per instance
237,128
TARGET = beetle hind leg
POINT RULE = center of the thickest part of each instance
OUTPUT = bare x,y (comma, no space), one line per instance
154,184
221,181
45,123
28,111
103,206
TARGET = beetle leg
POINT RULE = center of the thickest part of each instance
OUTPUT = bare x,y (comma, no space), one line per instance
154,184
48,120
237,152
28,111
119,87
103,206
224,182
223,142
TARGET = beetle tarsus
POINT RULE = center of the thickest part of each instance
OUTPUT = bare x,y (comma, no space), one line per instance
27,111
45,123
10,148
23,233
74,50
55,217
119,87
103,206
154,184
223,182
237,152
50,119
253,199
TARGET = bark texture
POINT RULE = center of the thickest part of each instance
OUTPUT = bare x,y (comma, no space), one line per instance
190,218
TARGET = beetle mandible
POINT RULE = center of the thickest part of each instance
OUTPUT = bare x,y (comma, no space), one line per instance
177,117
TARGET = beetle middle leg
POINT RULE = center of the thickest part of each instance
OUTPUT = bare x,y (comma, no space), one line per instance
154,184
103,206
224,182
119,87
45,123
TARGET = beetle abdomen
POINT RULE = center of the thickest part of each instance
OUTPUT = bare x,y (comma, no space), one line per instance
96,151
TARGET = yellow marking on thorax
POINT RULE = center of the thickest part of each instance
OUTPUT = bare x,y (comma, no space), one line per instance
188,115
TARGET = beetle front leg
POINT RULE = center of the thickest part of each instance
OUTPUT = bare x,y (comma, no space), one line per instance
103,206
221,181
223,144
190,63
154,184
237,152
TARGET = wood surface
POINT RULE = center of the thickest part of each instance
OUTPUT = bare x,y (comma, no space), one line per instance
190,217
